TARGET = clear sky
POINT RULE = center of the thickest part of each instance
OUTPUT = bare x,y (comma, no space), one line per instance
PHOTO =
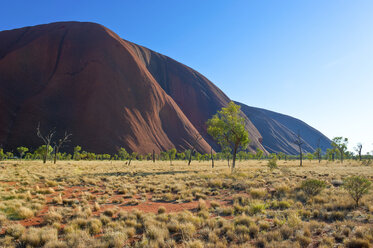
310,59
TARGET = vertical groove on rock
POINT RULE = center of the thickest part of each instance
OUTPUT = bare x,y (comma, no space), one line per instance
58,56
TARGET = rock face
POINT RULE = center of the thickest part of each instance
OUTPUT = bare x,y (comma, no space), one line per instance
281,131
83,78
197,97
111,93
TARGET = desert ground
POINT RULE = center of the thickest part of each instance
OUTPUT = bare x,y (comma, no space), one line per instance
146,204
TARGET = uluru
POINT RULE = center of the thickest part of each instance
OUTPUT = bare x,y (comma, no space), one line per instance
109,93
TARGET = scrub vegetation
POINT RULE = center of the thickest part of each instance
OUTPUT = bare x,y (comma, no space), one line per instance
146,204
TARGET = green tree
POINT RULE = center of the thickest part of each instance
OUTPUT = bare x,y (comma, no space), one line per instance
44,152
9,155
340,144
318,151
357,187
47,139
241,155
317,154
106,156
132,156
272,163
164,156
330,153
180,155
91,156
123,154
198,156
280,155
259,154
197,138
171,154
22,150
59,144
188,154
226,152
28,155
77,155
358,149
299,142
2,154
227,127
309,156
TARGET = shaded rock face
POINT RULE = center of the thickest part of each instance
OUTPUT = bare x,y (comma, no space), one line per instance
281,131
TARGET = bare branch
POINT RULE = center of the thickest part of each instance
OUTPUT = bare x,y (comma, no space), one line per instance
47,139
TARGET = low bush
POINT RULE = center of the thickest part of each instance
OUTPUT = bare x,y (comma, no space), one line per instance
357,187
312,187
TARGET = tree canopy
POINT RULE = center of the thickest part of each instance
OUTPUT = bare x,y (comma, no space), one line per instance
340,144
227,127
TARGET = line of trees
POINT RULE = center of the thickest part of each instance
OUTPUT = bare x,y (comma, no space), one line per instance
170,155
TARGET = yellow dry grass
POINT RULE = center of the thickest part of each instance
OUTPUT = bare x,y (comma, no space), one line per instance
93,204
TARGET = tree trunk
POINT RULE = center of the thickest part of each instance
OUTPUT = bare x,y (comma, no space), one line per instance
228,161
300,156
234,158
55,155
153,156
212,159
129,162
45,154
341,151
190,156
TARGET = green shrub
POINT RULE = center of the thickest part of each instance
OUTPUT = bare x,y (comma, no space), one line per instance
357,187
272,163
312,187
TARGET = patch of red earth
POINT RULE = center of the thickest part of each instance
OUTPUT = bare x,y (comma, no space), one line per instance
37,220
31,222
152,207
147,206
8,183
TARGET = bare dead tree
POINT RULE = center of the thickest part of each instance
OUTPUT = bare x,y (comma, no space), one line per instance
318,150
59,144
47,139
358,149
197,138
299,142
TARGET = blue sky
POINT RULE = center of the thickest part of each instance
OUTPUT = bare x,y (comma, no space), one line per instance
308,59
